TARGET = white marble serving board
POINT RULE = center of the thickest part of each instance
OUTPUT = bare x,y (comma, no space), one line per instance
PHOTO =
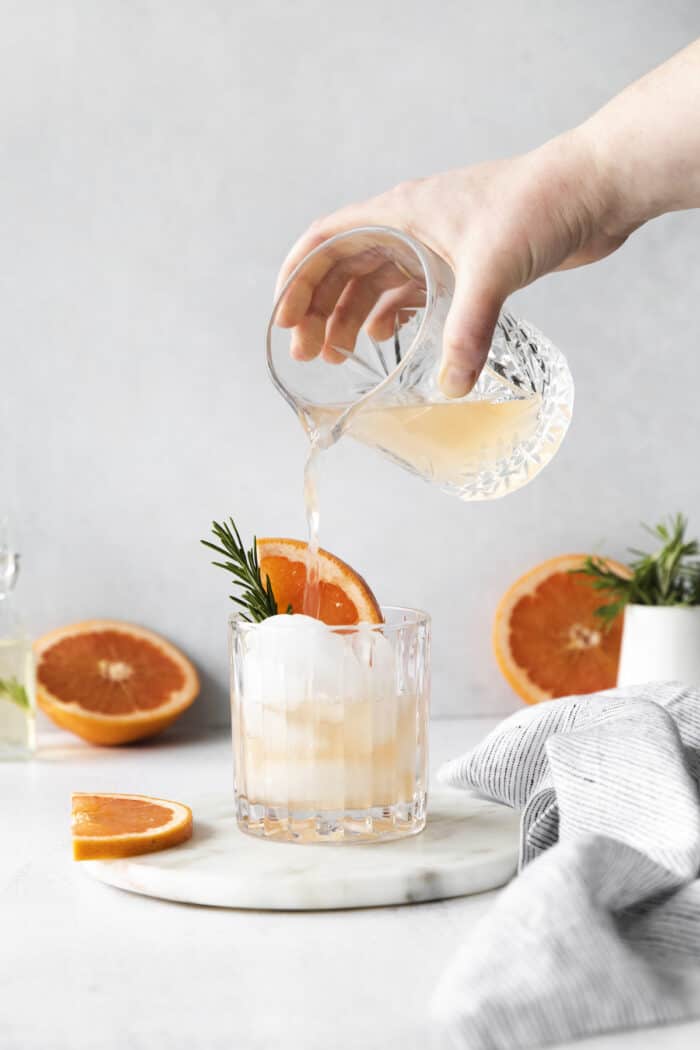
468,846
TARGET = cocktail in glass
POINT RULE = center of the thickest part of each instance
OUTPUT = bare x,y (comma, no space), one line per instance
330,727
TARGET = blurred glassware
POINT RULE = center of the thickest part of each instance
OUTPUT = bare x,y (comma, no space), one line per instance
17,675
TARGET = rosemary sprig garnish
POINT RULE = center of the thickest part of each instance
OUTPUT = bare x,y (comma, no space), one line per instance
670,576
256,598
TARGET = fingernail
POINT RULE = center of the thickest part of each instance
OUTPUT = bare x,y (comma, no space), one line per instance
299,351
456,382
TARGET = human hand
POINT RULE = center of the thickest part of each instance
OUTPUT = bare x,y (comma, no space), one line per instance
498,225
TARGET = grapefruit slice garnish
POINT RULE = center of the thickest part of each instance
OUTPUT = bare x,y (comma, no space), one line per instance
112,682
344,597
547,638
107,826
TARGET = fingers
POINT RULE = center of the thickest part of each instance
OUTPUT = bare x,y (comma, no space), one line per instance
309,328
308,337
316,234
399,303
341,304
468,331
356,304
299,294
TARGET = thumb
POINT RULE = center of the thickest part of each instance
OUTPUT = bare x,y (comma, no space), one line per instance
468,331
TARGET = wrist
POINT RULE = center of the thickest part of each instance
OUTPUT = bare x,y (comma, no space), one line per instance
581,194
626,199
646,143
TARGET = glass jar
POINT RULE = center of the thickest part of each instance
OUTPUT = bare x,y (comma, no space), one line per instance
363,356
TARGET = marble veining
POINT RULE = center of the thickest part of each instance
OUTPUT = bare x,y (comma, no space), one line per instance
468,846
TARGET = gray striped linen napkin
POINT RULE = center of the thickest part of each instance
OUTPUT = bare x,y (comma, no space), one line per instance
601,929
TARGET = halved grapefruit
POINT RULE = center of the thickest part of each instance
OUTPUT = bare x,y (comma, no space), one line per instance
112,682
344,597
548,640
107,826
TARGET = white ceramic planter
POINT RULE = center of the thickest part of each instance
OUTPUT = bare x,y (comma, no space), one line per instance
660,643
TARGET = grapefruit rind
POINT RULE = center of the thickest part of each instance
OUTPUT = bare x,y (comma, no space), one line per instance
333,570
131,843
108,730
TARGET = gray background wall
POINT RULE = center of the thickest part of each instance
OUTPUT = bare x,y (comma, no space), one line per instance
157,160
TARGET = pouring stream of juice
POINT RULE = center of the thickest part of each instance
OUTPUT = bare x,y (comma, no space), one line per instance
312,592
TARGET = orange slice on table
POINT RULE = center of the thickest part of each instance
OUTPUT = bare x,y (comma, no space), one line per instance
547,638
109,826
112,682
344,597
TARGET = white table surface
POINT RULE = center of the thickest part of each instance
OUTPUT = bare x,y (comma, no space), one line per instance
87,967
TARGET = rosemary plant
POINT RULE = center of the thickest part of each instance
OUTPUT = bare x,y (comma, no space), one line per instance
669,576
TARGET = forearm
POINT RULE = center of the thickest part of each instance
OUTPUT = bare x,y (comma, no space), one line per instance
645,144
503,224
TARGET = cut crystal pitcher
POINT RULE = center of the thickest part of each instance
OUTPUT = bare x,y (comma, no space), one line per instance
380,384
